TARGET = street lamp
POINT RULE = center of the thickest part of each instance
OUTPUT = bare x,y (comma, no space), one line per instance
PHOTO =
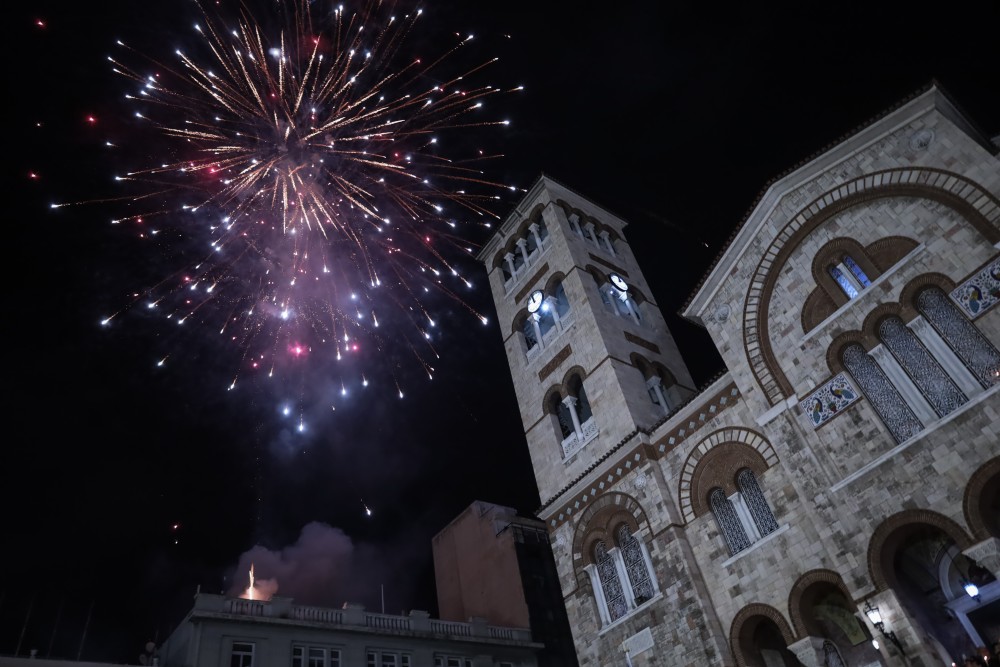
875,617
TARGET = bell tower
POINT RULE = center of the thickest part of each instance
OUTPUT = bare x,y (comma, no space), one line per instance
589,352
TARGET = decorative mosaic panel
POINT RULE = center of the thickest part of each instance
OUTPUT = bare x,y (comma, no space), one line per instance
829,400
980,292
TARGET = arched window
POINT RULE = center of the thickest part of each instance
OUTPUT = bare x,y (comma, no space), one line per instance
755,502
528,331
849,275
622,577
745,516
563,415
562,306
611,585
966,341
925,372
831,656
582,427
898,417
635,565
543,231
729,524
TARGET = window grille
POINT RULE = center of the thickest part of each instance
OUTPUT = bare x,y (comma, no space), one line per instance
968,343
885,399
728,522
607,574
932,380
635,565
756,503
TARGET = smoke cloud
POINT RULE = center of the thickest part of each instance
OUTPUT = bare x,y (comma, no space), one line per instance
323,567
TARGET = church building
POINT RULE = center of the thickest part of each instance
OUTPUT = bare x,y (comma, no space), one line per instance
833,497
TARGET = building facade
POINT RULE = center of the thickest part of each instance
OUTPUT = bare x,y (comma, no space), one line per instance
233,632
491,563
832,498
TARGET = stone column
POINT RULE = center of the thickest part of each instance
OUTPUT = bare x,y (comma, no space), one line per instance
986,554
550,302
522,245
534,232
809,651
537,329
607,242
509,258
656,384
570,402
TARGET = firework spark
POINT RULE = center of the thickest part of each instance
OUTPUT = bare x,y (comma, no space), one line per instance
310,163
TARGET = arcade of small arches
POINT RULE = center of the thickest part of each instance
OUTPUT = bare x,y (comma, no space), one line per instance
835,277
537,329
917,360
920,567
616,564
531,239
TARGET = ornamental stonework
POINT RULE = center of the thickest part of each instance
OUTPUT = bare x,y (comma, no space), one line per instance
829,400
980,292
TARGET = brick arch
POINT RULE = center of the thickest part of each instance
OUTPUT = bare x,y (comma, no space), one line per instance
888,250
511,243
833,358
985,480
898,526
568,375
737,435
744,623
600,518
881,312
552,282
978,207
718,468
834,249
585,217
909,293
797,601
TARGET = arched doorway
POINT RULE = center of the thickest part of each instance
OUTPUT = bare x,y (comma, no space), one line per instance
918,555
821,607
760,638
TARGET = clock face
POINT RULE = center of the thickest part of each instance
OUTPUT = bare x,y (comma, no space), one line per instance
535,301
618,282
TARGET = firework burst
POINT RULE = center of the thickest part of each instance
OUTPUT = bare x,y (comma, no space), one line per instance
308,163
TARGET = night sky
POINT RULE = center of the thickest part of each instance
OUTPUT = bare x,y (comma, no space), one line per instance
127,486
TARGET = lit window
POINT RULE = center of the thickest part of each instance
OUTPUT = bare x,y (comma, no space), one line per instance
849,276
856,271
845,283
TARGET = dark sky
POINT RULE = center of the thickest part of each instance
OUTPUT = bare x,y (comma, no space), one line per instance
674,117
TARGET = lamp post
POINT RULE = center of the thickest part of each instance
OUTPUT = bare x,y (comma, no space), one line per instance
875,617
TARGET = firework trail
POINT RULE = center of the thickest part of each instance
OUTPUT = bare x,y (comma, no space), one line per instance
308,163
